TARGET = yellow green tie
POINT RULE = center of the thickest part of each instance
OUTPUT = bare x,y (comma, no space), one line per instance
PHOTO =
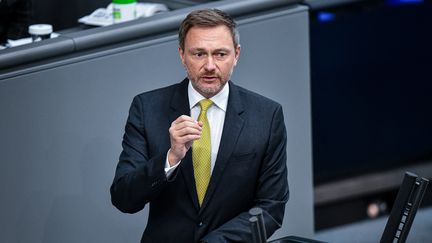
201,153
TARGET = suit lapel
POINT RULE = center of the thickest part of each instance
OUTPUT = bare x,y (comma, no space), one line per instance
232,127
180,101
180,106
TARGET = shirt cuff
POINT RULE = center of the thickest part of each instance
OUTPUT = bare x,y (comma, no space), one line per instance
170,169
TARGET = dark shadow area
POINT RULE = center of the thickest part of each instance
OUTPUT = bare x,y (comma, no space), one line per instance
370,70
371,97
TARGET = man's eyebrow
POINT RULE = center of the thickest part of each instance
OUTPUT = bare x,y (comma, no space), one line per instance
198,49
222,50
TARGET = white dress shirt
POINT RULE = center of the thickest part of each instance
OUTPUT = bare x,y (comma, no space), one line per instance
215,116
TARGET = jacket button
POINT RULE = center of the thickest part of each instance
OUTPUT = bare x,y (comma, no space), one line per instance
200,224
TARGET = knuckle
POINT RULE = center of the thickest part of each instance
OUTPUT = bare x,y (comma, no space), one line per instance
172,131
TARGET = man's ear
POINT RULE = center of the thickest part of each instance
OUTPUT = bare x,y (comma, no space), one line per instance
181,53
237,54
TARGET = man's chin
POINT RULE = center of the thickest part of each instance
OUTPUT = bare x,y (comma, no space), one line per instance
209,91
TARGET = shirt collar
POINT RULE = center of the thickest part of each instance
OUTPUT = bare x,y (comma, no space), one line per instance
220,99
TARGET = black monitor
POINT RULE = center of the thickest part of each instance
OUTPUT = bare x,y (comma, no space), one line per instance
371,87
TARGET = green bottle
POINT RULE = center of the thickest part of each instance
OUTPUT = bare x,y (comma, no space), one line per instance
124,10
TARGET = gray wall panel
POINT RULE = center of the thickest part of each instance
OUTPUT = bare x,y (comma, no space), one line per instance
61,131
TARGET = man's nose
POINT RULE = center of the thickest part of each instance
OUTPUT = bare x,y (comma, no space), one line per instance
210,64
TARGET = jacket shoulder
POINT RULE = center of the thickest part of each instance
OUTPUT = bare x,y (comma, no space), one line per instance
252,98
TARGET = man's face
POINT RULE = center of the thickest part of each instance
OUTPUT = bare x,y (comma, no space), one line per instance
209,57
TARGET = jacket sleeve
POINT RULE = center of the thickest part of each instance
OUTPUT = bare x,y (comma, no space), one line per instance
138,177
271,193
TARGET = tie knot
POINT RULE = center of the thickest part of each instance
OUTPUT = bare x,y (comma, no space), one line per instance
205,104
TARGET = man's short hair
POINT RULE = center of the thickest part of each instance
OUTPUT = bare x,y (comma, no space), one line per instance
208,18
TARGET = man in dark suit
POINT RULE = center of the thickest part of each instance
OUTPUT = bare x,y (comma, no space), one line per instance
204,151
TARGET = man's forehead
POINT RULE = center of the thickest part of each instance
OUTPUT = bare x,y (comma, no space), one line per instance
207,35
209,29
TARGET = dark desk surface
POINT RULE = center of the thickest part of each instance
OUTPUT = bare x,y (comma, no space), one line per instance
295,239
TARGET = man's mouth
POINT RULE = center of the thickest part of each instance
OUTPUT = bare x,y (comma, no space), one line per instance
209,78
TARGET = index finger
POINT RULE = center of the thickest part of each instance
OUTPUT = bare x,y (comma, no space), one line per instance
183,118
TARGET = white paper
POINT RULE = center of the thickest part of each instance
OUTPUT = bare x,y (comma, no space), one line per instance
103,16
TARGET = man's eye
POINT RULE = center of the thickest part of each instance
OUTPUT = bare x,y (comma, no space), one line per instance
221,55
199,54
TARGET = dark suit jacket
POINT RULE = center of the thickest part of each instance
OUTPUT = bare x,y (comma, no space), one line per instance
250,169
